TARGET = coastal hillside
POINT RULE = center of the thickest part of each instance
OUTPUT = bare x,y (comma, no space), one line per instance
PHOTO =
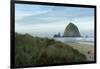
71,31
33,51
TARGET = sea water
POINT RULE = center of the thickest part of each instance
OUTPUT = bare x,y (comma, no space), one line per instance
80,40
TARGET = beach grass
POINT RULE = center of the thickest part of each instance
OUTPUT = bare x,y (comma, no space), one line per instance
34,51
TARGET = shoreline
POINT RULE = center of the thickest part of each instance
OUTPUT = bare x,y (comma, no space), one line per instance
84,46
86,49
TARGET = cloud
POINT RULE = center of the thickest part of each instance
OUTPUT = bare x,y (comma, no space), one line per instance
35,14
37,18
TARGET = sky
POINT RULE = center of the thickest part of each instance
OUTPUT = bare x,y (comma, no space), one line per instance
45,21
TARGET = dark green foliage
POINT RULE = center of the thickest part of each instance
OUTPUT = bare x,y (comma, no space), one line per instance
39,51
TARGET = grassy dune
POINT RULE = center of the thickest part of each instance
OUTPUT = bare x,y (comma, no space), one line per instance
34,51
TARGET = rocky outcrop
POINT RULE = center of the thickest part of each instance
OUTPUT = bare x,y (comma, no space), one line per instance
57,35
71,31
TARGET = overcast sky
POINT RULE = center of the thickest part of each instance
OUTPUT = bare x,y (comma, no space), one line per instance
41,20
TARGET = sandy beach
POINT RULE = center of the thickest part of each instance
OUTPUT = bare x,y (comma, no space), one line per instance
85,49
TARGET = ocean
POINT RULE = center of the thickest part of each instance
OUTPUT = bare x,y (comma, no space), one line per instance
80,40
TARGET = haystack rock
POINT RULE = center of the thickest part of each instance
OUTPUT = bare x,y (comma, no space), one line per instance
71,31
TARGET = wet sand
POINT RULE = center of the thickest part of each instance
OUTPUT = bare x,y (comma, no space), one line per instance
86,49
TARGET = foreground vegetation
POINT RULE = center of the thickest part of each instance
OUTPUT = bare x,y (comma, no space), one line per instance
35,51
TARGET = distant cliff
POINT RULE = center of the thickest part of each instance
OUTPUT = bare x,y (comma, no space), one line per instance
71,31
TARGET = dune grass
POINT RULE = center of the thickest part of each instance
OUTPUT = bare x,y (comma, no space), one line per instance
35,51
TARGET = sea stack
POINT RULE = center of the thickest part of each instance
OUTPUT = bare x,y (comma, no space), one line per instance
71,31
